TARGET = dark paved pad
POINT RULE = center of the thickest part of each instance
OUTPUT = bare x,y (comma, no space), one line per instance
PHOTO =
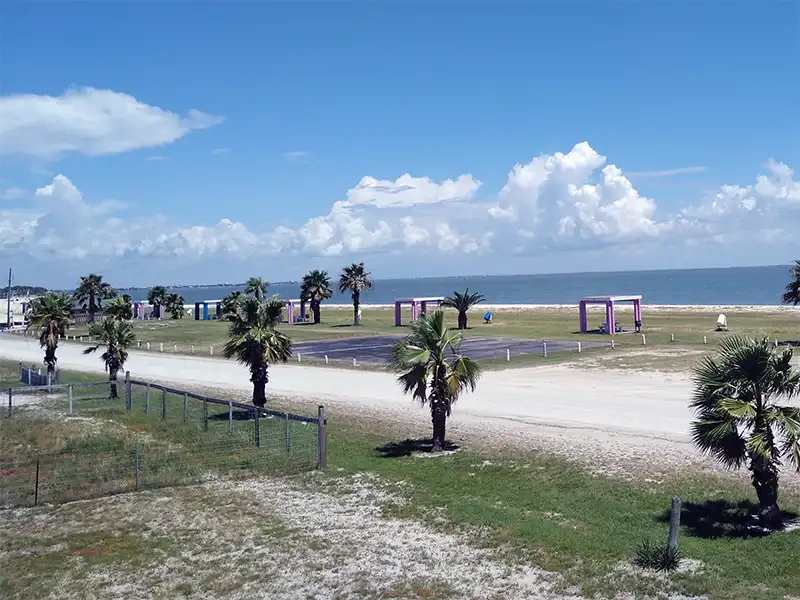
378,349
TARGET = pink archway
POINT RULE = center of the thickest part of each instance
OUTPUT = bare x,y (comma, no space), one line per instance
610,302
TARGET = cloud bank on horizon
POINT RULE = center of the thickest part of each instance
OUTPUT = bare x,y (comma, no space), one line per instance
573,201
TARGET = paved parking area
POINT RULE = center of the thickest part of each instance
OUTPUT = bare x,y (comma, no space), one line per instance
378,349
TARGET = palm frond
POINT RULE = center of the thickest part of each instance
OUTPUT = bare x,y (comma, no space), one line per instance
718,436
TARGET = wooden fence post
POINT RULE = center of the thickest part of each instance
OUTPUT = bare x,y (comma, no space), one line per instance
230,416
147,399
674,523
205,414
185,407
258,427
163,404
69,394
287,433
138,462
10,400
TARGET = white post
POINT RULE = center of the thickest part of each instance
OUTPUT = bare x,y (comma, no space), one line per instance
192,349
612,343
326,359
138,343
298,357
355,364
175,347
579,347
705,340
508,355
671,337
544,348
211,350
81,339
148,346
776,342
644,340
161,347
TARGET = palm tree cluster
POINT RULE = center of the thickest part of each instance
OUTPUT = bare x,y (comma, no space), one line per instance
91,292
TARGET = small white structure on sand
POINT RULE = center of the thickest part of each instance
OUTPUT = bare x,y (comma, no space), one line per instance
722,323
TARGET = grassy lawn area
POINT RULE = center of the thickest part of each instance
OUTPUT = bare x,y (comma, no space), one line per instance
92,451
532,508
688,329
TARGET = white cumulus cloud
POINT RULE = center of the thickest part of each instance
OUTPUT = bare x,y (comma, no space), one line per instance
565,201
91,122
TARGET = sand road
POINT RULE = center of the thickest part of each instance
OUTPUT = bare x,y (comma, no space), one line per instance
647,405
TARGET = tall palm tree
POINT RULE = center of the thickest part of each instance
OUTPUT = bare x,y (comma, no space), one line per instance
120,308
739,417
792,293
254,340
432,370
355,279
117,336
157,297
91,291
257,287
316,287
462,303
50,315
174,305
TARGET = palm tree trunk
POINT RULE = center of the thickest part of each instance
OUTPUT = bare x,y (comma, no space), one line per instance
765,482
439,420
315,310
112,380
50,360
356,302
91,308
259,378
462,320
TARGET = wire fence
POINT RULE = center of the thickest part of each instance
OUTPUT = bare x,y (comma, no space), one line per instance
33,375
64,442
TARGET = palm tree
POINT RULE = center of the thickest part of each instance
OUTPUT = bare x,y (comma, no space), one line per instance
228,304
174,305
257,287
315,288
462,303
92,290
50,315
432,370
254,340
157,297
120,308
739,417
792,293
117,336
355,279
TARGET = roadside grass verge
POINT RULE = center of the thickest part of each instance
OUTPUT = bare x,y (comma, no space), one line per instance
546,511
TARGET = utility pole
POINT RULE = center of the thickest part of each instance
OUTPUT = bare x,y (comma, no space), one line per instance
9,300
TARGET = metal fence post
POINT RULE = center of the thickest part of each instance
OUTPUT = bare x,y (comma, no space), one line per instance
287,433
10,400
205,414
138,463
36,485
322,439
21,375
163,404
147,399
30,372
258,427
69,394
230,416
185,407
128,395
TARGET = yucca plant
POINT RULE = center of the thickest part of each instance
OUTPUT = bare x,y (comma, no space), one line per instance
657,556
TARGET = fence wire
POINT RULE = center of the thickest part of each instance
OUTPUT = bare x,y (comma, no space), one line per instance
68,442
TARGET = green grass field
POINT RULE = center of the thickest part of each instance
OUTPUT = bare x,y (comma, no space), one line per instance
686,328
537,508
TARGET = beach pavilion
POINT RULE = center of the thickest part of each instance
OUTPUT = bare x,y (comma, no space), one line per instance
419,306
610,302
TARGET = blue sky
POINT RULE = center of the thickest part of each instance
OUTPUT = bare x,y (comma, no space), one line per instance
302,100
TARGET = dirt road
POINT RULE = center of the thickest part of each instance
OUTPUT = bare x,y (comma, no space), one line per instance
641,404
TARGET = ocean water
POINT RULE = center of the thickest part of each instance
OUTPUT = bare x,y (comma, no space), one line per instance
730,286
